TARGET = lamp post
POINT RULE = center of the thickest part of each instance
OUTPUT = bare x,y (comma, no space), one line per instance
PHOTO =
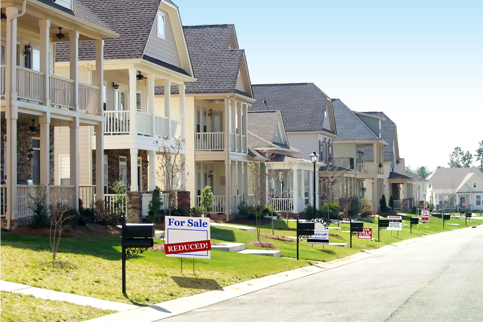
313,158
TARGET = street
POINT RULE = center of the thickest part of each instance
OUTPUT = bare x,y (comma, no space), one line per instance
434,278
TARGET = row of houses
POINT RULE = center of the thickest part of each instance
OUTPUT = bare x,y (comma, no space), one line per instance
92,93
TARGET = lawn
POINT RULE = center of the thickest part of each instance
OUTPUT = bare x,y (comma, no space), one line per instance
19,307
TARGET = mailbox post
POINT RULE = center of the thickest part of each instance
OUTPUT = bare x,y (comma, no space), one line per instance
467,215
136,238
413,221
381,223
304,229
355,227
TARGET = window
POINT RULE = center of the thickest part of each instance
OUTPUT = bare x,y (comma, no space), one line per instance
123,170
321,151
106,175
161,24
138,102
36,160
205,121
198,120
36,60
64,169
474,184
478,200
104,96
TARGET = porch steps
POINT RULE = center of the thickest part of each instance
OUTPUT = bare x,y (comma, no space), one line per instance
229,247
159,234
273,253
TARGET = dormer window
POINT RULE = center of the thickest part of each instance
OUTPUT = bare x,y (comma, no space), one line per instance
161,24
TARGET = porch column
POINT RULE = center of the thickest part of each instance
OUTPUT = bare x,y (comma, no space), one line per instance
74,66
182,111
151,107
245,125
183,173
227,188
11,115
45,149
245,181
151,170
99,74
295,190
44,58
239,119
74,160
99,162
132,103
167,104
233,124
134,170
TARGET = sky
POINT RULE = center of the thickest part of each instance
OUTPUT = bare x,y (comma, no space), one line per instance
418,61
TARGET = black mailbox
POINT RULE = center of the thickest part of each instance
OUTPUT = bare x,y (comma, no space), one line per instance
468,214
414,220
383,223
446,217
357,227
138,235
305,228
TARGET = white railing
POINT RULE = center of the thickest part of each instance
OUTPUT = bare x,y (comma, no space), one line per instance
282,204
144,123
3,199
109,203
232,142
62,92
2,81
30,84
210,141
65,194
89,98
176,129
23,199
161,124
218,203
117,122
238,143
235,200
87,195
244,143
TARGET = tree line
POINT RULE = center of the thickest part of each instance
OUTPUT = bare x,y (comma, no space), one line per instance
460,159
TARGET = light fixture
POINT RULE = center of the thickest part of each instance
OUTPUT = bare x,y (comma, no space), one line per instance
32,127
363,189
145,163
60,35
380,165
28,49
313,157
210,112
30,154
115,85
140,76
4,16
210,174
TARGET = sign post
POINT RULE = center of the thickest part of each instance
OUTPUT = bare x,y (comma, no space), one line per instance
303,229
468,215
365,234
355,227
381,223
425,215
413,221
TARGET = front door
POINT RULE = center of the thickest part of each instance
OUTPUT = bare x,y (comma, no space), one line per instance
462,201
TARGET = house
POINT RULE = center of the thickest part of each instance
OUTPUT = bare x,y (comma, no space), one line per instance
308,119
35,102
277,175
359,147
456,188
137,129
216,117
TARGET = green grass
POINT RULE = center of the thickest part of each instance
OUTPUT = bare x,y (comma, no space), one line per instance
19,307
92,267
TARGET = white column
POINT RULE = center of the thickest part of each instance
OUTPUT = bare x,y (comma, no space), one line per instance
182,111
245,181
151,107
132,102
45,149
227,189
183,173
239,112
99,74
134,170
44,58
245,124
74,159
74,66
167,104
295,190
151,170
99,162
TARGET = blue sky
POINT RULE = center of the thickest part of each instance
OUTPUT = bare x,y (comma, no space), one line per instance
420,62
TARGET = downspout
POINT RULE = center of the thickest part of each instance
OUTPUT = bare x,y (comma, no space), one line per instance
7,93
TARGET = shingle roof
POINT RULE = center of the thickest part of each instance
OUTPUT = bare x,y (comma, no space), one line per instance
215,65
132,22
387,133
263,123
395,175
447,180
349,126
302,104
333,168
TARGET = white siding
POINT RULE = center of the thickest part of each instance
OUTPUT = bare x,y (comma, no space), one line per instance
163,49
306,143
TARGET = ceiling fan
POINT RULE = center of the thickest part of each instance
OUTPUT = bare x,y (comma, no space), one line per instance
140,76
32,127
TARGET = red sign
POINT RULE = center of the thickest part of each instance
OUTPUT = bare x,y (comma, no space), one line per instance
365,234
189,247
464,204
424,215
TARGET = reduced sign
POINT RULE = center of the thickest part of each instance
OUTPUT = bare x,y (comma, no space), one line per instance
187,237
395,223
424,215
365,234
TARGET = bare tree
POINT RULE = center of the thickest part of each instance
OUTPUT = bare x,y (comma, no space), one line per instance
60,214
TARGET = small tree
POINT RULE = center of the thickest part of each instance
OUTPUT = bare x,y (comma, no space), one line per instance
383,203
38,204
120,204
207,198
59,210
155,205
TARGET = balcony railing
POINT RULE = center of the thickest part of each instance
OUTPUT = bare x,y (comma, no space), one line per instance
117,122
218,203
176,128
210,141
62,92
30,84
89,98
145,124
161,124
282,204
344,162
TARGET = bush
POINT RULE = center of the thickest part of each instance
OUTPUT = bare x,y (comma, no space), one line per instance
253,212
391,202
243,209
37,204
103,215
154,207
181,212
309,212
86,216
197,211
207,198
354,208
333,210
431,206
365,205
383,203
414,210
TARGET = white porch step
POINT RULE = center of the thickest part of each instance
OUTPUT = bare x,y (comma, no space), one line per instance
245,228
159,234
229,247
273,253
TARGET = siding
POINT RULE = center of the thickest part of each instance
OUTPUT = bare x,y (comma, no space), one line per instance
163,49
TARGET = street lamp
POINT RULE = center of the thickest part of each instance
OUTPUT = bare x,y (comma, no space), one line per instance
313,158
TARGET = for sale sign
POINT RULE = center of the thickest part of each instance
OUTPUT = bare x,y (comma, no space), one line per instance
365,234
395,223
321,234
424,215
187,237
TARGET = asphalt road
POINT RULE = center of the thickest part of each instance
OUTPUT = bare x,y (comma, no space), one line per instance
435,278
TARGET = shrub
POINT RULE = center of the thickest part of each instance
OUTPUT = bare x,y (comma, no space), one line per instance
354,208
181,212
89,227
383,203
243,209
103,215
86,216
332,209
207,198
391,202
365,204
154,207
309,212
431,206
37,204
197,211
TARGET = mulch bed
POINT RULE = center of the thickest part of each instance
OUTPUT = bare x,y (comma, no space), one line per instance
263,244
277,237
79,231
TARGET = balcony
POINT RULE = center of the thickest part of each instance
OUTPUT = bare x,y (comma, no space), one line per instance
344,162
30,84
210,141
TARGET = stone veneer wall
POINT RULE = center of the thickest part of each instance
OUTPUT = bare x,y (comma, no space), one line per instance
24,143
184,201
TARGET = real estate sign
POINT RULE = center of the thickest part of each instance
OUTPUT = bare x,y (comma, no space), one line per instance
365,234
424,215
187,237
321,234
395,223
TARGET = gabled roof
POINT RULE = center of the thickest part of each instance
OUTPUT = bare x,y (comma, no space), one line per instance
302,104
215,65
449,180
388,134
395,175
349,126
